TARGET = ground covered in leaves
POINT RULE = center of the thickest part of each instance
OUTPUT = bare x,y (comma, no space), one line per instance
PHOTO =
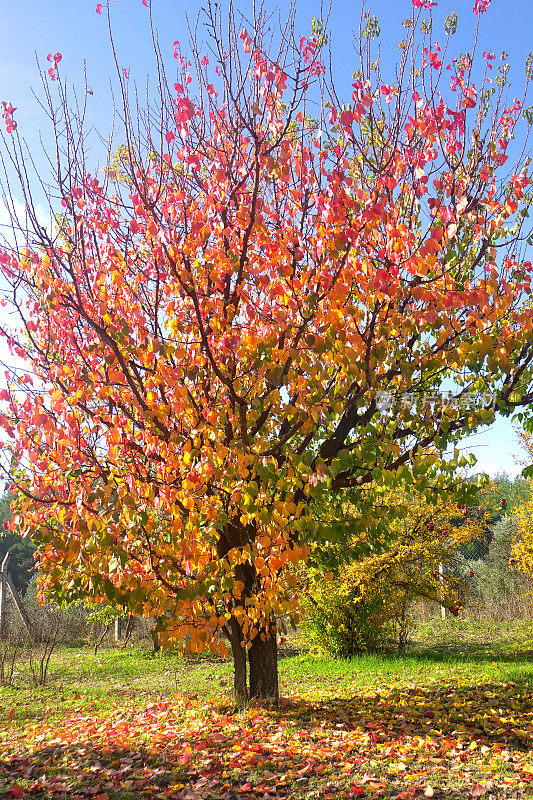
124,725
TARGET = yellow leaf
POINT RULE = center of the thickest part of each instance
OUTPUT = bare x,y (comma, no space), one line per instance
399,766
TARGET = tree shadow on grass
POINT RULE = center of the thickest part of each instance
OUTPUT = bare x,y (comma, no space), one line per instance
131,774
85,771
375,744
471,651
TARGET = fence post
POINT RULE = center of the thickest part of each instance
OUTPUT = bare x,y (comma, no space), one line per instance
118,629
442,608
3,593
18,604
5,584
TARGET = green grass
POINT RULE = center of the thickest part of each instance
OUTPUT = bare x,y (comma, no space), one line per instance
455,713
80,680
456,650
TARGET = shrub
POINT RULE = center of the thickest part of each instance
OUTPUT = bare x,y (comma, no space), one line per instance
343,621
361,604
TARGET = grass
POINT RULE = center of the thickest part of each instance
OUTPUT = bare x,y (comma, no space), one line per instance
451,719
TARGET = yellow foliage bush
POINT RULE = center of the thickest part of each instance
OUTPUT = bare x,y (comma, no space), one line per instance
410,557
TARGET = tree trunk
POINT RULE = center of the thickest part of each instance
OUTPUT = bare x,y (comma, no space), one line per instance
236,535
263,658
238,651
263,653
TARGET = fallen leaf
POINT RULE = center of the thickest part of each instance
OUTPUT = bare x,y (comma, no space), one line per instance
398,767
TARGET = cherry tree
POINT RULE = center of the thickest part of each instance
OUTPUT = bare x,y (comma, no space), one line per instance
212,325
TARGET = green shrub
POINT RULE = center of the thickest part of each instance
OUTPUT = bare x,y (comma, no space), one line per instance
343,619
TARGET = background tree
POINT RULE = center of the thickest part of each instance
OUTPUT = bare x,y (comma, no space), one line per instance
499,497
496,584
208,327
21,563
521,555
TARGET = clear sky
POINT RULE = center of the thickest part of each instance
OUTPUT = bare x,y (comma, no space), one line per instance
31,29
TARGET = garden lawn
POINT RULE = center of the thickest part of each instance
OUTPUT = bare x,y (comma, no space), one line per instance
445,721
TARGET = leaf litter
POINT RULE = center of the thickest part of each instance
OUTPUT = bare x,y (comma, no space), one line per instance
401,741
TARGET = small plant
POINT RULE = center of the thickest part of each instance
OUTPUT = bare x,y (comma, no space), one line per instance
101,619
41,653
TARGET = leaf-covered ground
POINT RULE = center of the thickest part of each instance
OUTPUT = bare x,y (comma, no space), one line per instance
122,725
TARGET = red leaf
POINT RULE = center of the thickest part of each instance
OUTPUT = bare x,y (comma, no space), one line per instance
12,712
16,790
99,8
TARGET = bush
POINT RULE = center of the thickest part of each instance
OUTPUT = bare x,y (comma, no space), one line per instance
12,649
407,554
341,620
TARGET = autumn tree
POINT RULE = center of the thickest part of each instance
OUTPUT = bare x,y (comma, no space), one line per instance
211,324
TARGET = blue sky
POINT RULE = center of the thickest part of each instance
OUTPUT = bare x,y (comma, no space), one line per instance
30,28
72,27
